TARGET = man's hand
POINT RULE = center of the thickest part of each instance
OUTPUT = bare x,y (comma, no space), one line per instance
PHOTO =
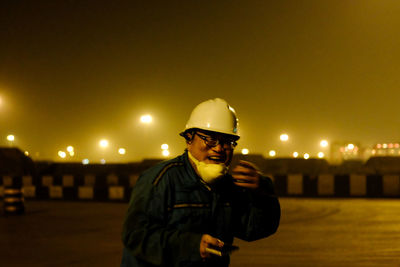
246,175
208,241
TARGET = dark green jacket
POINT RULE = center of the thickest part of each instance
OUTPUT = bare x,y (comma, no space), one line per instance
171,208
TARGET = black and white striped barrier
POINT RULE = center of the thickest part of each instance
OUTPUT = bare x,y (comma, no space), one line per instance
115,188
325,185
13,197
68,187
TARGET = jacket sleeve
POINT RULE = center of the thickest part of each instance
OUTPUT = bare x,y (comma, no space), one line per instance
257,213
146,234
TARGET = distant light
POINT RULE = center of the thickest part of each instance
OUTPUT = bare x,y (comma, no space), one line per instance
379,146
85,161
373,152
72,153
165,153
103,161
284,137
245,151
321,155
390,145
26,153
272,153
350,146
103,143
122,151
11,138
295,154
70,148
146,119
306,156
384,145
62,154
164,146
324,143
397,145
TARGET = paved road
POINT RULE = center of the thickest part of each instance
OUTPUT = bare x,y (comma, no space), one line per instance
313,232
329,232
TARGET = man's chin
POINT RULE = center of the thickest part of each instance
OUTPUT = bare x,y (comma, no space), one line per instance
215,162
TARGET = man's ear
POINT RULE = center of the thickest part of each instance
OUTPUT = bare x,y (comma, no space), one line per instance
189,138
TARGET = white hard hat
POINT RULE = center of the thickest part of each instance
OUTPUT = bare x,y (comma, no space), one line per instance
214,115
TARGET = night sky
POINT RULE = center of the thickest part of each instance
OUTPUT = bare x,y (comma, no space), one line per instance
74,72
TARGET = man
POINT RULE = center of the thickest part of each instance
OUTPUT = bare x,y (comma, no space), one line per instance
187,211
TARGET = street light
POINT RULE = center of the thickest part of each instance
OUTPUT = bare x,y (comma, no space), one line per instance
10,139
324,143
103,143
321,155
146,119
295,154
284,137
165,153
272,153
351,146
62,154
122,151
306,156
245,151
164,146
70,150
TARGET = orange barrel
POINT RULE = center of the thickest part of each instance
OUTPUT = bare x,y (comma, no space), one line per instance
13,201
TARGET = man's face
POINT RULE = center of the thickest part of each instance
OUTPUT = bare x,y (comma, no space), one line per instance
221,153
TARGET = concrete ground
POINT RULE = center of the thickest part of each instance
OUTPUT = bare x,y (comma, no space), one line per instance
313,232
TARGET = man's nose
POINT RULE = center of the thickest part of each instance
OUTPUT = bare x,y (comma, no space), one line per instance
219,147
